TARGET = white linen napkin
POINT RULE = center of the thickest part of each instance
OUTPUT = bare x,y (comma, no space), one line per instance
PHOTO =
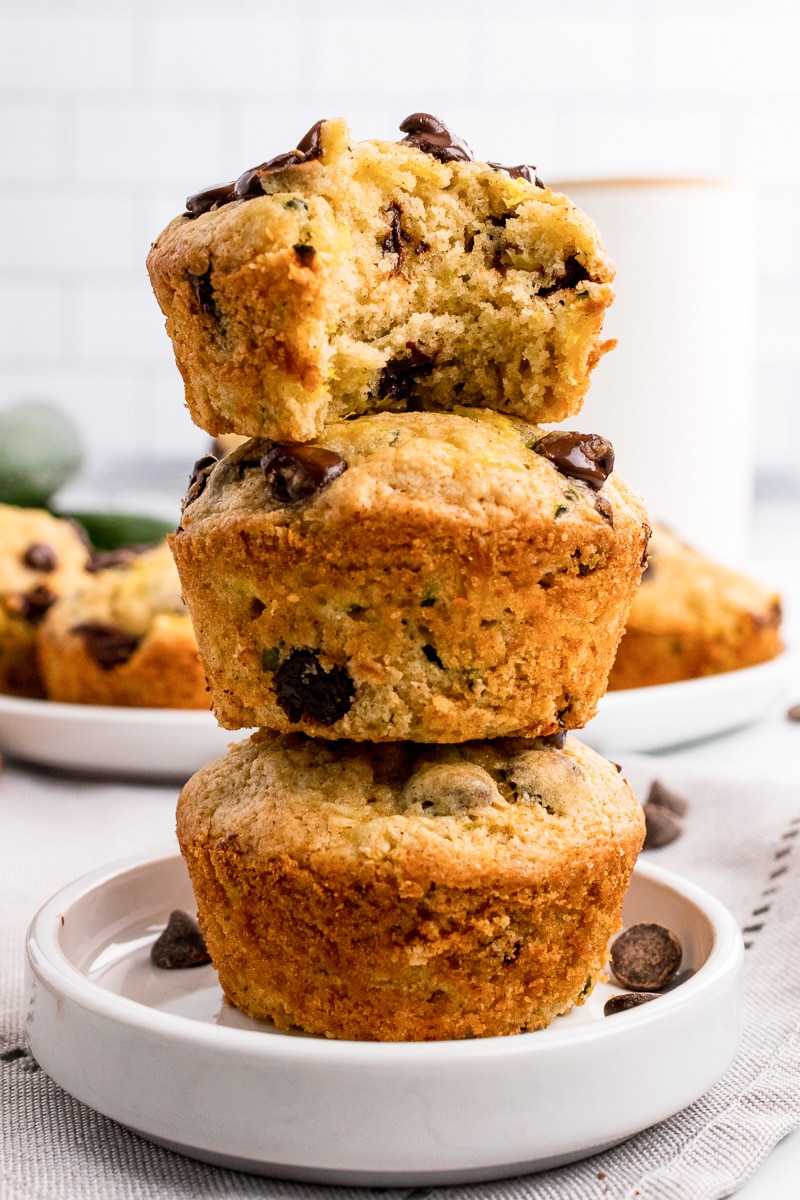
739,842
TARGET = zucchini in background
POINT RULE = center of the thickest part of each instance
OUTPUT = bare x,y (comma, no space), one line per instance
112,531
40,451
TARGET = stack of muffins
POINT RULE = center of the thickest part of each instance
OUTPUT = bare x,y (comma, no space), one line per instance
407,585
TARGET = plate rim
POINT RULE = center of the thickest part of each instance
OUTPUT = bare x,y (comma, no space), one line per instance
710,683
49,962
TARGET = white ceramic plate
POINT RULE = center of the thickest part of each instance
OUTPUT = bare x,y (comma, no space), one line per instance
151,743
669,714
161,1053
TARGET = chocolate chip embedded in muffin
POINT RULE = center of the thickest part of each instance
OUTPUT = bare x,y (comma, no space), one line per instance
304,689
297,472
180,945
199,477
108,645
584,456
445,789
40,557
645,957
430,134
34,604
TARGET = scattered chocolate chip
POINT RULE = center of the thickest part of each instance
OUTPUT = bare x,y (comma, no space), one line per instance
305,253
432,656
605,508
661,795
431,135
295,472
645,957
584,456
306,690
399,376
309,148
211,197
523,171
794,713
180,945
40,557
203,291
35,603
12,1055
108,645
574,273
662,827
199,477
625,1001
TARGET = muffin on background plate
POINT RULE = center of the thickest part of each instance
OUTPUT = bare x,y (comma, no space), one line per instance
124,638
427,576
408,892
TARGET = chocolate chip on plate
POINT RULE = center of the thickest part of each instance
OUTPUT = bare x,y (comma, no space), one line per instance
584,456
665,798
645,957
295,472
625,1001
180,945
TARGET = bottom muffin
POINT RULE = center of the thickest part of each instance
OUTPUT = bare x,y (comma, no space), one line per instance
407,892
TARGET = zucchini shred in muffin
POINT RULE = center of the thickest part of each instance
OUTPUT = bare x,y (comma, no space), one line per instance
431,576
692,617
42,557
344,278
124,638
407,892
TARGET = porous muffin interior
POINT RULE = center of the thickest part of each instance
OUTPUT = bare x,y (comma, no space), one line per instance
415,282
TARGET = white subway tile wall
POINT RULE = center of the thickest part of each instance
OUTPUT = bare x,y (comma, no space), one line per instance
112,112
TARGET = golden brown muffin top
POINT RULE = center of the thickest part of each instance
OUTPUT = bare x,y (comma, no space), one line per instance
460,815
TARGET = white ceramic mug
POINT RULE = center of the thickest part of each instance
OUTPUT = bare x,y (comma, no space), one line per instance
676,396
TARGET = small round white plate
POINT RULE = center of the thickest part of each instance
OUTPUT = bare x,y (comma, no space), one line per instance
149,743
160,1052
669,714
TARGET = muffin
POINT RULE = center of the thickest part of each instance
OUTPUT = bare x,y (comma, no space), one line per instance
436,577
124,638
406,892
347,277
692,617
41,556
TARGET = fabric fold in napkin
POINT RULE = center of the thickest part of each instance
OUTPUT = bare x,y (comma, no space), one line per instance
741,842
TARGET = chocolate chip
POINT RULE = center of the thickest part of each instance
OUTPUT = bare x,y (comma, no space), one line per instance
794,713
584,456
305,689
431,135
399,376
523,171
662,827
661,795
605,508
35,603
574,273
199,477
645,957
180,945
305,253
101,560
295,472
211,197
108,645
393,242
203,291
309,148
40,557
625,1001
432,656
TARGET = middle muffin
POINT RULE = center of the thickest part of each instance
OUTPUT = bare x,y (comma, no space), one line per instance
422,576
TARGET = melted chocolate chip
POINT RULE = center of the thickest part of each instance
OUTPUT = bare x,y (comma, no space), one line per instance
203,291
35,603
305,689
295,472
626,1001
584,456
40,557
211,197
605,508
393,242
199,477
180,945
309,148
431,135
645,957
108,645
523,171
399,376
574,273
